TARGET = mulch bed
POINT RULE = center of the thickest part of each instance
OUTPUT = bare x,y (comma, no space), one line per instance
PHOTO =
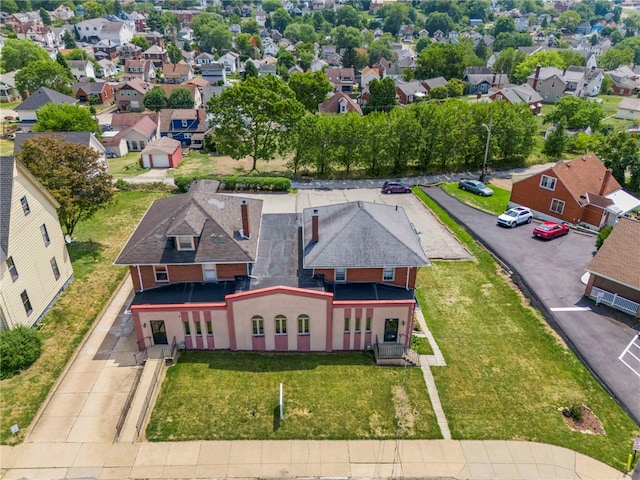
588,424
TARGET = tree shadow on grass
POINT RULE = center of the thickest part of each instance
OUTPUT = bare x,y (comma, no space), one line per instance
87,251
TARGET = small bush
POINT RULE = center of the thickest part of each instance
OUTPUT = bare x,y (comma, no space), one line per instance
602,236
239,184
19,348
573,411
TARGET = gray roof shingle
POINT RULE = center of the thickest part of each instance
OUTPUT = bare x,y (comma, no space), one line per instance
6,192
41,97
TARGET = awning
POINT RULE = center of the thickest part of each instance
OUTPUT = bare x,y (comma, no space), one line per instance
623,202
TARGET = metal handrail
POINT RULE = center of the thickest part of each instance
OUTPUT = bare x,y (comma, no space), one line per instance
127,404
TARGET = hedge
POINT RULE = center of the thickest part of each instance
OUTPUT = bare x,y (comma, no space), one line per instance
238,184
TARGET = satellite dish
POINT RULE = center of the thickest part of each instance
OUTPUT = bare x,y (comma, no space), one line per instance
68,239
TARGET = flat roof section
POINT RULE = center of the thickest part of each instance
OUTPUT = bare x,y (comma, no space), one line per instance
368,291
185,293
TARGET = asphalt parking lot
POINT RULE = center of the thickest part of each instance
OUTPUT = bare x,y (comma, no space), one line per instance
550,272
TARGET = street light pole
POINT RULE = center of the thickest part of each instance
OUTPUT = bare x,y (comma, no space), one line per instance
486,148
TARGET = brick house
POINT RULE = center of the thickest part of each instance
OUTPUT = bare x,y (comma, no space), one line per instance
201,283
131,94
409,92
102,93
581,191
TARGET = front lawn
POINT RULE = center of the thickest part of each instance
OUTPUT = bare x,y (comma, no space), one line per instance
496,204
97,242
216,395
507,373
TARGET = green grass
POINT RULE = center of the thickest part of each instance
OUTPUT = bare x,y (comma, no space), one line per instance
210,396
196,163
75,311
496,204
421,345
507,373
6,148
126,166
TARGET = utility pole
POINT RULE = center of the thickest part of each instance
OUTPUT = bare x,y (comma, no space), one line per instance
486,148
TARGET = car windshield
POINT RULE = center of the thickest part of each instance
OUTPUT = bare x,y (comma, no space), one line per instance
480,185
546,227
511,213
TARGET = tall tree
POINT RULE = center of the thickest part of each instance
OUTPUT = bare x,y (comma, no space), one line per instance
93,9
349,17
43,73
250,70
45,17
382,95
620,151
18,53
555,142
441,59
395,15
347,37
253,118
576,113
181,98
174,53
141,42
439,21
155,99
73,173
69,41
59,117
281,19
380,47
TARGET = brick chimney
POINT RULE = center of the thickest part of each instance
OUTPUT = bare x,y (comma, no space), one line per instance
535,78
605,181
244,211
314,226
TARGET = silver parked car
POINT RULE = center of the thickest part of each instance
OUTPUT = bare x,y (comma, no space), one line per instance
475,186
515,216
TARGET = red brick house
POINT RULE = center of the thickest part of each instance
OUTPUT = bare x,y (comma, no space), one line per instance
103,92
581,191
615,270
202,281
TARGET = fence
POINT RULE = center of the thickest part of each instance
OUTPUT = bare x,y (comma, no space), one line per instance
127,404
614,300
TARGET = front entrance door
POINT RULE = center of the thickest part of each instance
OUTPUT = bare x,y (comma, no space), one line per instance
209,271
390,329
159,332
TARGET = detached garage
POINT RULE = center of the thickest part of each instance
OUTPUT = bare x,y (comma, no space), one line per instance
164,152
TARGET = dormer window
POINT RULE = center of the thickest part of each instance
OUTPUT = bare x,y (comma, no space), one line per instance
184,242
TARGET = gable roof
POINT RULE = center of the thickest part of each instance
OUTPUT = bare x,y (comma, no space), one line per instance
169,114
361,234
162,144
215,218
333,104
89,87
82,138
618,258
130,119
435,82
42,96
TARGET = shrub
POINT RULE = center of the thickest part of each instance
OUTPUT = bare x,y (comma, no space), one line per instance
573,411
237,184
19,348
602,235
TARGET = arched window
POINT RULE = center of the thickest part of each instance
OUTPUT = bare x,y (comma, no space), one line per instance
258,325
281,325
303,324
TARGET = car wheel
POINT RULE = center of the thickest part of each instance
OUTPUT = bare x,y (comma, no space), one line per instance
529,220
462,187
514,224
388,192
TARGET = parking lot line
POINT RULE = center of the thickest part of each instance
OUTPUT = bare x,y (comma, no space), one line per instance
632,351
570,309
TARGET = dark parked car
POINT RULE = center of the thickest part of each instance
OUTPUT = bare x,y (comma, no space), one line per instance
551,230
395,187
475,186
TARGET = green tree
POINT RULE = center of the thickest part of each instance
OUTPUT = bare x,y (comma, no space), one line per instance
576,113
455,87
43,73
180,98
60,60
569,21
380,48
62,117
545,58
555,142
439,93
508,60
73,173
620,151
394,17
155,99
141,42
439,21
286,59
382,96
300,32
347,37
250,70
45,17
18,53
281,19
614,57
254,117
349,17
481,49
174,53
215,37
348,136
10,6
441,59
374,147
271,5
310,89
69,41
93,9
504,25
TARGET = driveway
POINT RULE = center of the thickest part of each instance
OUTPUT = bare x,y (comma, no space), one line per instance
549,273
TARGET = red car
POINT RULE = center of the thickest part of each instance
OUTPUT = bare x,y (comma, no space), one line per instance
551,230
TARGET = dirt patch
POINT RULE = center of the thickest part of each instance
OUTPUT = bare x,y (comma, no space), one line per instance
504,183
228,166
587,422
404,413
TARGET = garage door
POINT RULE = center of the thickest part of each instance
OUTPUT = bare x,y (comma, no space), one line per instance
159,161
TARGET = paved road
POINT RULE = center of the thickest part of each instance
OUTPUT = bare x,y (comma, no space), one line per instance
550,274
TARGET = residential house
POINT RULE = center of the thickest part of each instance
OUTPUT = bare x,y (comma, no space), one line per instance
430,83
139,21
203,58
42,96
43,36
625,81
35,266
118,32
549,82
162,153
614,271
177,72
91,93
342,79
129,51
183,124
353,292
91,30
628,108
154,38
318,65
519,94
193,89
410,92
87,139
8,90
267,69
142,69
340,103
581,191
235,29
158,55
130,132
63,13
81,69
483,82
368,74
107,69
231,62
105,49
214,73
521,24
130,96
591,79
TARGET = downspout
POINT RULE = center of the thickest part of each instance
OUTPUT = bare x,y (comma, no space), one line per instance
406,286
140,278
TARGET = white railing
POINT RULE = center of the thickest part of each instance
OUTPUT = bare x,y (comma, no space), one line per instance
614,300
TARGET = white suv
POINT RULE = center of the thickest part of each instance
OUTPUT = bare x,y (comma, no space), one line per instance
515,216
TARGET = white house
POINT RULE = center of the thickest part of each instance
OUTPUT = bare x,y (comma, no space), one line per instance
628,108
81,69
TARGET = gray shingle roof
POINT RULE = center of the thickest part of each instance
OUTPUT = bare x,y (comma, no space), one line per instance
6,192
41,97
361,234
215,218
83,138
